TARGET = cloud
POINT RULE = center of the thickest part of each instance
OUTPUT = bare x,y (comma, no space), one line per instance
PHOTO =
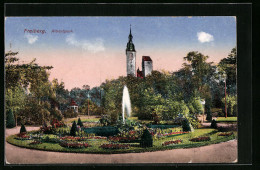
31,38
93,46
204,37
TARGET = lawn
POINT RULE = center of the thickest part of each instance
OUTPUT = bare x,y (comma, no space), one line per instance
134,147
228,119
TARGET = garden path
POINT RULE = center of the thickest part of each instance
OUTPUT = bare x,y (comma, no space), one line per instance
225,152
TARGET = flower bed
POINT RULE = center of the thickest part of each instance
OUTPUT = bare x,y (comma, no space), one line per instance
225,134
123,139
200,139
72,138
115,146
74,144
22,136
55,123
172,142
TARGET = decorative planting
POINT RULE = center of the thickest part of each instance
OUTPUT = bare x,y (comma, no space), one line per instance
172,142
200,139
114,146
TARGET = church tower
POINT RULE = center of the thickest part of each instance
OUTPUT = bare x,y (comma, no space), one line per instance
130,56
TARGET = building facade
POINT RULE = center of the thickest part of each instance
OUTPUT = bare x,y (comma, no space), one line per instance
147,63
130,56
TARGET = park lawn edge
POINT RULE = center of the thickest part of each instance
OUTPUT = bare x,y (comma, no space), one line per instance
124,151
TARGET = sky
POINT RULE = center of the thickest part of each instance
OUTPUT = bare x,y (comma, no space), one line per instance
89,50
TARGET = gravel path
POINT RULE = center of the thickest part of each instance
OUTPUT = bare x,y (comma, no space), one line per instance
225,152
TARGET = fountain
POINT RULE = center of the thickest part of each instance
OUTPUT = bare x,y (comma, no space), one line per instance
126,104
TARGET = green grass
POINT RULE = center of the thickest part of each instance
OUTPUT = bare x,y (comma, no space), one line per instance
228,119
157,144
84,120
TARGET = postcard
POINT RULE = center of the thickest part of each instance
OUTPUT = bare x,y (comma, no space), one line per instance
121,90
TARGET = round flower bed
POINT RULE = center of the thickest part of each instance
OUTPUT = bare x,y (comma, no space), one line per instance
200,139
114,146
172,142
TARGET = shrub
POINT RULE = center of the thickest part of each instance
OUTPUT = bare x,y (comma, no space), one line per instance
80,123
146,139
73,129
186,127
23,129
214,124
103,131
70,113
10,122
105,120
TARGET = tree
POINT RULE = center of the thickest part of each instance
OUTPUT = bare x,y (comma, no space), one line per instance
23,129
146,139
73,129
228,66
208,109
80,123
10,122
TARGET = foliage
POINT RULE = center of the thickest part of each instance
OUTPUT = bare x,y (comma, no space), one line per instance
10,122
102,131
231,105
227,68
105,120
208,109
23,129
193,120
73,129
146,139
214,124
70,113
80,123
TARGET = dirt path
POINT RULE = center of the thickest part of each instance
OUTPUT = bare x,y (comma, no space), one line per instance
225,152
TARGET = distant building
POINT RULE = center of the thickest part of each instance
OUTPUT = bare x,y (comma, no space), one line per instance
130,56
73,105
147,63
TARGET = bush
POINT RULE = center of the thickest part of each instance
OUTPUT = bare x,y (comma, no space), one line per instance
146,139
162,126
80,123
73,129
214,124
103,131
10,122
70,113
23,129
186,126
105,120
